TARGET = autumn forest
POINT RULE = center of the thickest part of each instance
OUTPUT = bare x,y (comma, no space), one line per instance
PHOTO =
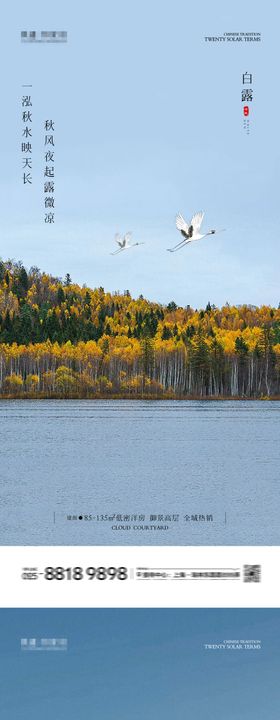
58,339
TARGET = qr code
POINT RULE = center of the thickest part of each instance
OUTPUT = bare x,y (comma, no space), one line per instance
251,573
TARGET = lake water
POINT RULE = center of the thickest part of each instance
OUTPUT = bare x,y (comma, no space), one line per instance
90,472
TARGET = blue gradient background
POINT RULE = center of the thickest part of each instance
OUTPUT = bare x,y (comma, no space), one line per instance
141,664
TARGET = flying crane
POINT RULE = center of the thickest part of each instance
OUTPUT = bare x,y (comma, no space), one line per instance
190,231
124,243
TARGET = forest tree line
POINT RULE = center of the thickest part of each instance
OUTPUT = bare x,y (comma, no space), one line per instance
58,339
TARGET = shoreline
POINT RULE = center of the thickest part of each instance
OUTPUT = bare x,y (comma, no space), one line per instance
146,397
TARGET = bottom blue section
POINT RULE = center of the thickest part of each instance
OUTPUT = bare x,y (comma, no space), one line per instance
64,664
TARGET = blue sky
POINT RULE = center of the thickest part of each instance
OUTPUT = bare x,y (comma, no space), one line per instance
141,664
148,122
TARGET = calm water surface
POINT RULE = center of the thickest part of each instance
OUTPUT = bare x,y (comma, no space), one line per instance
114,460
